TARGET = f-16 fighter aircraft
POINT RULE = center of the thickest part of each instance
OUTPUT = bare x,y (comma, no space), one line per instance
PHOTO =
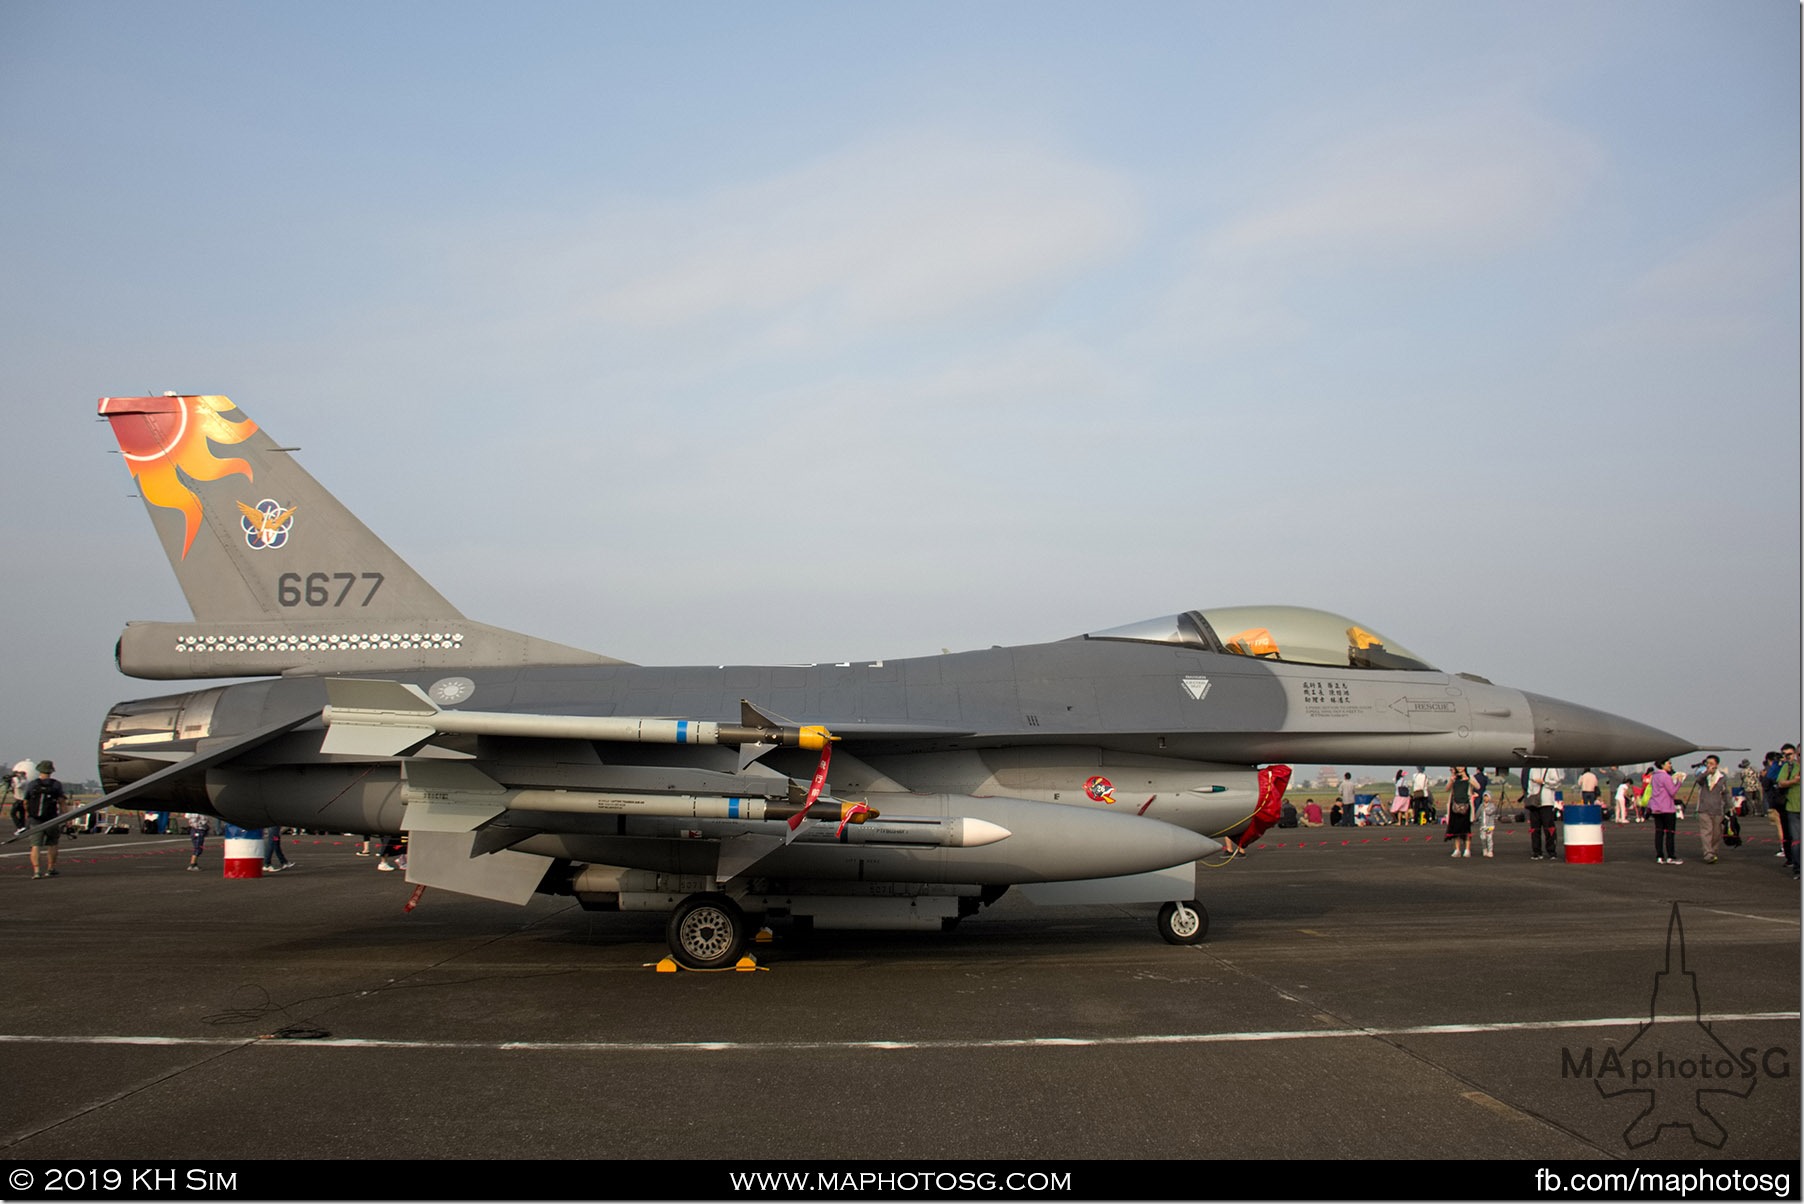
888,793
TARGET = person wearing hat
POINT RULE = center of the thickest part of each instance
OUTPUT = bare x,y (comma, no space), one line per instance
43,803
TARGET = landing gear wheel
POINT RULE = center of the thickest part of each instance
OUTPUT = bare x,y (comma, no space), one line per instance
707,932
1183,923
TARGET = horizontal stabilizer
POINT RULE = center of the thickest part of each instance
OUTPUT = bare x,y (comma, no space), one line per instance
204,758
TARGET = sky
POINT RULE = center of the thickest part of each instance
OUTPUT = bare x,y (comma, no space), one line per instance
703,333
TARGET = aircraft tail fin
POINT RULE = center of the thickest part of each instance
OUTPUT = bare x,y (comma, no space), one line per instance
246,528
280,576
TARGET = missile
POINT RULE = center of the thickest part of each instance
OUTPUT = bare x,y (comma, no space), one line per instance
452,795
960,832
839,821
381,718
452,785
677,806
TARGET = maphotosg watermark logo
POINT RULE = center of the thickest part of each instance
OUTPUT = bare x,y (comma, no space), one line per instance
1676,1065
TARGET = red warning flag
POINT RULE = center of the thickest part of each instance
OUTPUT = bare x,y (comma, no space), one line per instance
814,787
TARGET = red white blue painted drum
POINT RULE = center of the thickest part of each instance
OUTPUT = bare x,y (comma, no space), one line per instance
1584,833
245,849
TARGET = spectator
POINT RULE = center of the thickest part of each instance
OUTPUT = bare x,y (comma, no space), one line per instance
43,803
1662,804
1785,787
1421,796
1543,788
199,827
1459,812
1713,804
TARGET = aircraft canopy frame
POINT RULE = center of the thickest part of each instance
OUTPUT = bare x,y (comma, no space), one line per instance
1289,634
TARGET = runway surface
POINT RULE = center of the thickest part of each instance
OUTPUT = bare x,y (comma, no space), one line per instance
1361,995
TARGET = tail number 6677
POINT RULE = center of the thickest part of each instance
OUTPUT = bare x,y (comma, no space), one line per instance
324,589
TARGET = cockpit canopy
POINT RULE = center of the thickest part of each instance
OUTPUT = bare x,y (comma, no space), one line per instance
1294,634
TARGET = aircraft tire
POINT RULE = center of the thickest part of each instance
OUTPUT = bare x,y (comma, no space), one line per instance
1183,923
706,932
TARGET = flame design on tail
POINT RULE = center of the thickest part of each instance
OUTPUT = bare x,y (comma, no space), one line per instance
240,558
166,438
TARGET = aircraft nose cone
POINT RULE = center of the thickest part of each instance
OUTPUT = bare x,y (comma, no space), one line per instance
1571,735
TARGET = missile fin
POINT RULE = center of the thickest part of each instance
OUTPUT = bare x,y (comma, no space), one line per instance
751,752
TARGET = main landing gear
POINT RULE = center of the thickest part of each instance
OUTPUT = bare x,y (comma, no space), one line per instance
707,932
1183,923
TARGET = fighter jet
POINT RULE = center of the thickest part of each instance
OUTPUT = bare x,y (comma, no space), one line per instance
885,793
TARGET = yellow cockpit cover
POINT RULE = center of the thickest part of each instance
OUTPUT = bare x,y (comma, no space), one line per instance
1254,641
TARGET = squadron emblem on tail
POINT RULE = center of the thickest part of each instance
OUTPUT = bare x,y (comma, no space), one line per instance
266,525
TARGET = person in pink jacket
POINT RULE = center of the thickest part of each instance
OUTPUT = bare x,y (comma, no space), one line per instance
1662,799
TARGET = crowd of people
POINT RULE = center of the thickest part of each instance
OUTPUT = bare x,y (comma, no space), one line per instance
1719,799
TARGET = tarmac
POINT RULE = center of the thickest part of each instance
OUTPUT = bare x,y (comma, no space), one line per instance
1361,995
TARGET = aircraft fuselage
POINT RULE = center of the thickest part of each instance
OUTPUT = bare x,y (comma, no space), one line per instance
1172,731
